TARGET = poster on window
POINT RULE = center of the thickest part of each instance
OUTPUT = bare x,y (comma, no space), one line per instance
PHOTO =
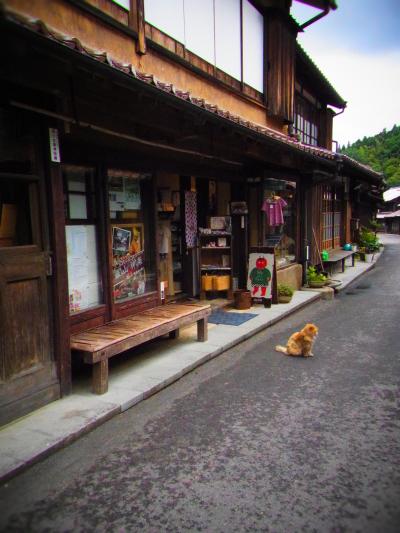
84,288
123,191
129,276
132,193
116,193
260,273
121,240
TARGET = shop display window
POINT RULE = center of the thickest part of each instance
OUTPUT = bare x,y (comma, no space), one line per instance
279,219
132,226
85,287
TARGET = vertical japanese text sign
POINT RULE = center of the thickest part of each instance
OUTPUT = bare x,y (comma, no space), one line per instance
54,146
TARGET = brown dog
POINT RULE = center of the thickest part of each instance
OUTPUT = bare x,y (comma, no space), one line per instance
301,342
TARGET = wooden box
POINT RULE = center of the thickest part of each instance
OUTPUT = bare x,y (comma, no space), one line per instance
221,283
207,283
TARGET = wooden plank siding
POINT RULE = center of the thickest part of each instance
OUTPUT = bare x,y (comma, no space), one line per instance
281,39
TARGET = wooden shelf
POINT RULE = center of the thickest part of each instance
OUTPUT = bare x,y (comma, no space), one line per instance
215,268
215,247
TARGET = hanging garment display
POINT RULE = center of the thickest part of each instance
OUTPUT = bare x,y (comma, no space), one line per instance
191,218
273,210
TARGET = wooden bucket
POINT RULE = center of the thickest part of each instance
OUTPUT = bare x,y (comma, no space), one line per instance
242,299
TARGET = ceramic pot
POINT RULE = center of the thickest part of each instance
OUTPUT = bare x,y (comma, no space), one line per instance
317,284
284,299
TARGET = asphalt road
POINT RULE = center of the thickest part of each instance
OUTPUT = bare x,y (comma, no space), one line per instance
252,441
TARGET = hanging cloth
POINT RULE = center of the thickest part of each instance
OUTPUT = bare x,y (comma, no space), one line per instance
191,218
273,210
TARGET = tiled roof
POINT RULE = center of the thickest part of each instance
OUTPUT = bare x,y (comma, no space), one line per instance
334,97
39,27
360,166
389,214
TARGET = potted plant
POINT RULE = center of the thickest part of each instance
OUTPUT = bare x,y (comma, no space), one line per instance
315,279
369,245
285,293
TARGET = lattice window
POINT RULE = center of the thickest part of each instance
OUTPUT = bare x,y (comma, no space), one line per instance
331,227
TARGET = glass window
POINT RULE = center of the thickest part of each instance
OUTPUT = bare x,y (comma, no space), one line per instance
79,193
306,121
253,47
227,37
132,234
199,28
279,210
167,16
213,30
85,288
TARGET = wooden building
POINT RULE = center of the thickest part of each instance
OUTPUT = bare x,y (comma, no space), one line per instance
389,212
123,131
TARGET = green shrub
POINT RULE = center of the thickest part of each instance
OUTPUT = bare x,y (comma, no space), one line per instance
314,275
368,241
285,290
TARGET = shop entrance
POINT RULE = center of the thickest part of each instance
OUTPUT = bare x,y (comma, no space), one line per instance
28,377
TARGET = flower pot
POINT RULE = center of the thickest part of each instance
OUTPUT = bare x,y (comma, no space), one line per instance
317,284
367,258
284,299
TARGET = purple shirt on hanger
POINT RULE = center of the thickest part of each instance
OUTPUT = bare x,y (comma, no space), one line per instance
273,211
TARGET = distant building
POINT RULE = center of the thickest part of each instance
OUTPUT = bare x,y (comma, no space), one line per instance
390,215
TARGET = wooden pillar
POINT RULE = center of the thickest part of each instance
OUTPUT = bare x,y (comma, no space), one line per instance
137,23
60,273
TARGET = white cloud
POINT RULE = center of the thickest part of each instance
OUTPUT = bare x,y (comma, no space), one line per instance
369,83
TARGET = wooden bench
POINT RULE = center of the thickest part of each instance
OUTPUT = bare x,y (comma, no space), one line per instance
339,255
97,345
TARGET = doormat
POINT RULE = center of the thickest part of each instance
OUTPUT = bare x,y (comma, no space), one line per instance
229,319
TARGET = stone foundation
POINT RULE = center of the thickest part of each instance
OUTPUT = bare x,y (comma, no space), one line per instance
291,275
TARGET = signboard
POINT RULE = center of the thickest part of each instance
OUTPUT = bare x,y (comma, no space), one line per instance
54,146
260,275
84,287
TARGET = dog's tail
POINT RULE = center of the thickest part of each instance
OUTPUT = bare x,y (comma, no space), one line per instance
282,349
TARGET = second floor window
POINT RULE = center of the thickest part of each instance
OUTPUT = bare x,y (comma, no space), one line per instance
306,121
227,33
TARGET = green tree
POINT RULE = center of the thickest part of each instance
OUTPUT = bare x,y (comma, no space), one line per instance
381,152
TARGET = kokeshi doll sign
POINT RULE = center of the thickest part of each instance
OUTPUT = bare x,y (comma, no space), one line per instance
260,275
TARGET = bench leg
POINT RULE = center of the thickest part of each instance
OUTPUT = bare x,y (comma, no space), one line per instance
202,329
100,377
343,267
174,334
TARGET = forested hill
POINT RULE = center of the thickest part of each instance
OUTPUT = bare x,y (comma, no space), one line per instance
381,152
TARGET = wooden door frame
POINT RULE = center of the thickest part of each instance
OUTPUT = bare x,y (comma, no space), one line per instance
60,277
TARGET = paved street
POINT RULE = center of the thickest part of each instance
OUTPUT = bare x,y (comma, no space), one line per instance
251,441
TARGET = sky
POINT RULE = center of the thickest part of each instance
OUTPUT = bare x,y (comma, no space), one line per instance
357,48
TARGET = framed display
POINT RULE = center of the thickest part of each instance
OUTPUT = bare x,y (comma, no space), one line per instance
220,223
84,285
127,238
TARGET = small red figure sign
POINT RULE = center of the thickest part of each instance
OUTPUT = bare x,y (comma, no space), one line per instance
261,267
